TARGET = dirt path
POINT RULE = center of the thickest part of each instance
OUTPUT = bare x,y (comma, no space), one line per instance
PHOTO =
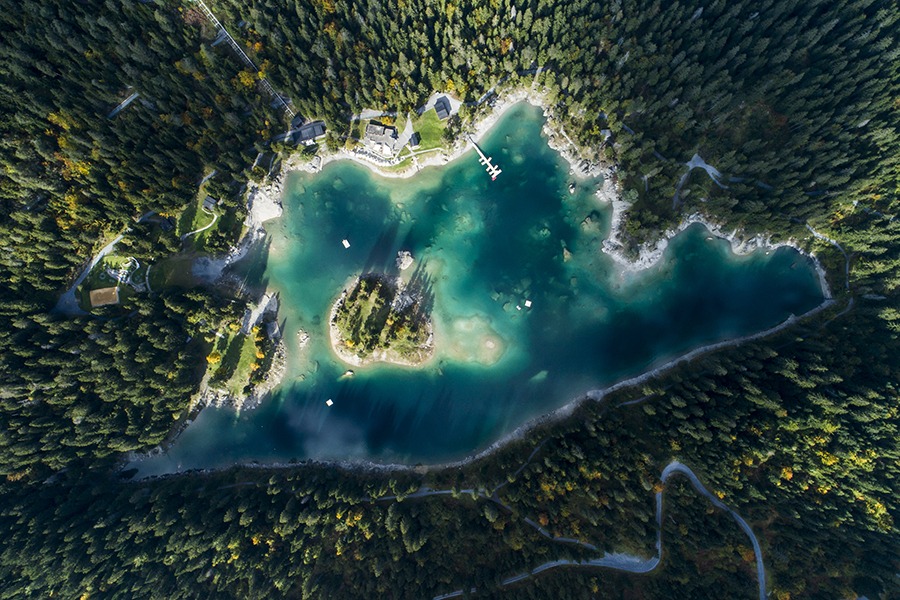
215,217
676,467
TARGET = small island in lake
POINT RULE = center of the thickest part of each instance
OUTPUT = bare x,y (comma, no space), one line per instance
384,319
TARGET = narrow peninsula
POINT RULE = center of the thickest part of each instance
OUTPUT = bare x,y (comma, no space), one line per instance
384,319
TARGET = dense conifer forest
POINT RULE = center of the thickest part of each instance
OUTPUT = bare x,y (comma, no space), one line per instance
796,103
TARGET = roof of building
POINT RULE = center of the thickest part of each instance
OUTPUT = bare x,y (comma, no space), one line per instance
311,131
376,128
380,134
104,296
442,107
415,139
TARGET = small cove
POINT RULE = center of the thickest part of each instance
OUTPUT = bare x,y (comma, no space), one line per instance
488,247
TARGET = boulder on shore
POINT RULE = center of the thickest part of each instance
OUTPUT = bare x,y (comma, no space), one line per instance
404,260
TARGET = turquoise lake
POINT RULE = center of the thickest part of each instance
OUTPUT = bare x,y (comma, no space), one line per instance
488,247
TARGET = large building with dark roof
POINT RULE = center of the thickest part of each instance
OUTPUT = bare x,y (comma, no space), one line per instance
442,107
309,132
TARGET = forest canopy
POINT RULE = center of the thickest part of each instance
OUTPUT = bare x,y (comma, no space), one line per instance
115,111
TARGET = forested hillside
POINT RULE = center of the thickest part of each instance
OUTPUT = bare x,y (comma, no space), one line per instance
799,439
797,104
72,178
794,101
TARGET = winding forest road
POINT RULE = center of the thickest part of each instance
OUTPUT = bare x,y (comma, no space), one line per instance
676,467
627,563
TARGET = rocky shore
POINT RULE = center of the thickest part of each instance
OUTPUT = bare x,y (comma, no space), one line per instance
651,253
272,379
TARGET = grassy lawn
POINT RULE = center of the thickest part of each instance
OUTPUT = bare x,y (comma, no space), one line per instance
187,217
237,354
431,132
406,158
173,271
198,240
356,131
430,129
246,359
192,218
98,277
402,164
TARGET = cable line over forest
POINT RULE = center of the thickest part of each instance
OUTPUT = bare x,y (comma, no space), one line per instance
264,82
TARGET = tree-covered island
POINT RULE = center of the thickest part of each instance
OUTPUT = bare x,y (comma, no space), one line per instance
383,319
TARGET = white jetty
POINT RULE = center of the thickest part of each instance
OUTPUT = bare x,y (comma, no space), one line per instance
491,170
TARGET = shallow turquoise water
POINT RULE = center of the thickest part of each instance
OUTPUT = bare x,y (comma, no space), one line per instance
487,247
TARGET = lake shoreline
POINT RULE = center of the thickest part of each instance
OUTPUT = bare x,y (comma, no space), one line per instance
479,129
264,202
520,433
651,253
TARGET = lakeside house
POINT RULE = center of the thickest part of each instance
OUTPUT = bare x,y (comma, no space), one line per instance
442,107
104,296
415,140
309,133
298,134
382,139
